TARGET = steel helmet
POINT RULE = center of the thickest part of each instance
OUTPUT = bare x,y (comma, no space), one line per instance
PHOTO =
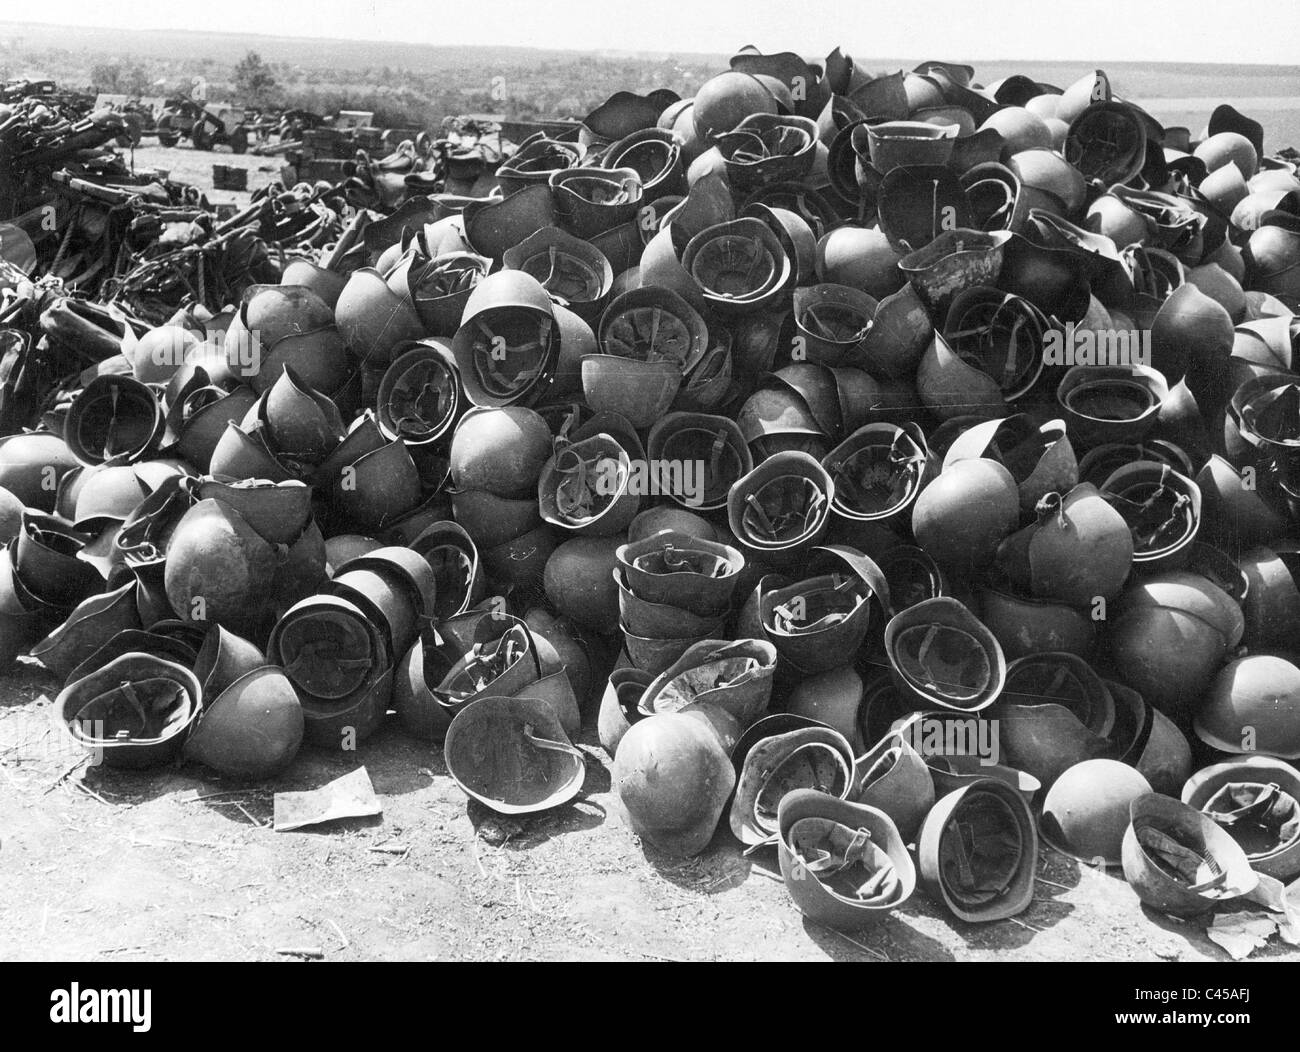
1271,603
326,283
899,336
777,418
91,624
1256,801
571,270
379,487
665,517
1021,129
218,568
961,517
878,472
107,495
994,198
475,654
1056,712
650,324
711,445
23,617
832,698
940,655
1107,143
1023,625
593,201
1079,549
302,425
978,851
646,620
45,557
1228,147
833,322
135,711
1146,739
1000,334
420,398
673,778
251,729
1179,861
893,777
825,613
1171,633
31,464
727,99
813,757
1162,509
781,508
500,451
223,658
767,148
682,570
860,258
115,418
1235,512
739,266
844,864
1273,260
1048,180
1038,455
535,161
507,346
1250,707
733,676
1111,403
622,113
494,224
954,261
512,755
587,487
1110,217
1190,333
892,144
439,286
655,154
639,390
161,351
619,705
579,581
1086,810
11,514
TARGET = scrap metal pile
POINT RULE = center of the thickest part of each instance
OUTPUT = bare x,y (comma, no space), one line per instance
894,470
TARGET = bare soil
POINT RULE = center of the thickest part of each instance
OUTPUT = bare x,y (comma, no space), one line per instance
177,864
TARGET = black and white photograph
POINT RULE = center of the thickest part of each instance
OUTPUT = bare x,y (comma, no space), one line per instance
577,482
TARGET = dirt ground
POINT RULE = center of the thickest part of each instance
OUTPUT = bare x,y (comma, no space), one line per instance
177,864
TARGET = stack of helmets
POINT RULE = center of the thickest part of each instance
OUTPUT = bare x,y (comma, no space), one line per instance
674,590
814,434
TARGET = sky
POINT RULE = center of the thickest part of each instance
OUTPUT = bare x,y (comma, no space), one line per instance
1232,31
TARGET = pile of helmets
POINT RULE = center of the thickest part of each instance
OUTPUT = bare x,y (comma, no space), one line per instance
900,467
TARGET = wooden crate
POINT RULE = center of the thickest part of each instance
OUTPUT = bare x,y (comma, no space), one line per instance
228,177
